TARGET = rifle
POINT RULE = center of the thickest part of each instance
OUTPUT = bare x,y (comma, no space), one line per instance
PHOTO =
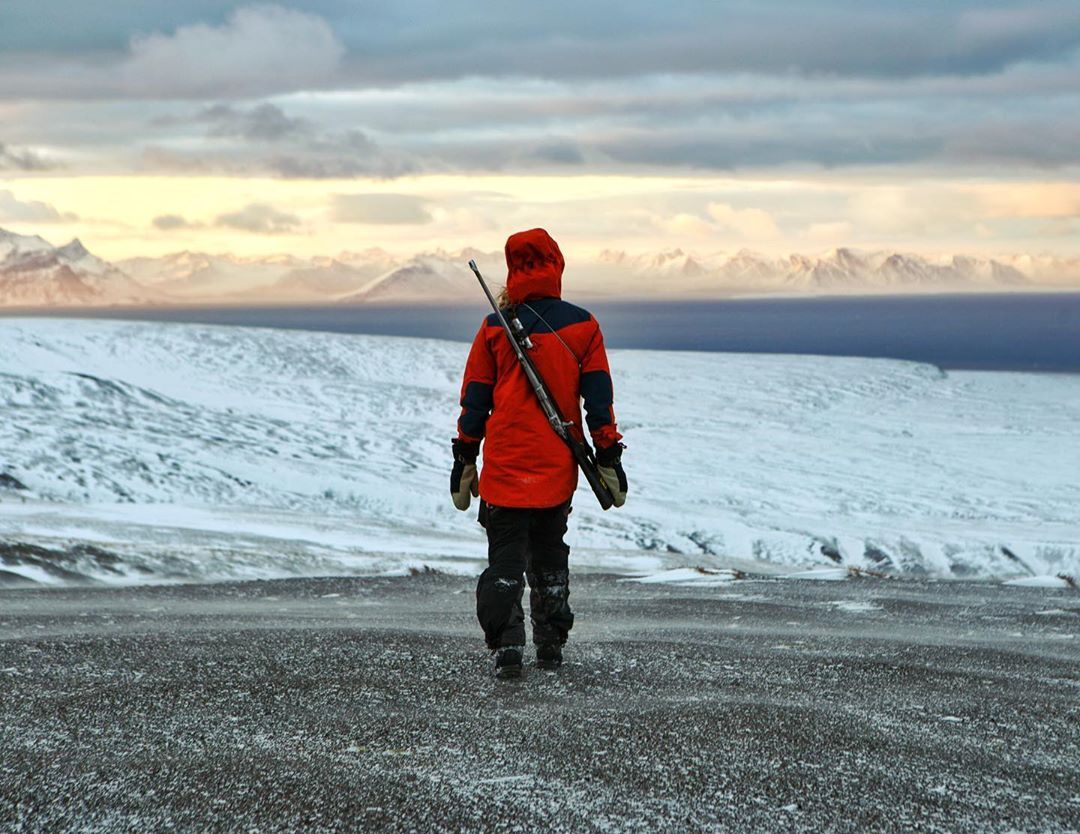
581,449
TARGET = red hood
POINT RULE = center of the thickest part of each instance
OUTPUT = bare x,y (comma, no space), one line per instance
534,266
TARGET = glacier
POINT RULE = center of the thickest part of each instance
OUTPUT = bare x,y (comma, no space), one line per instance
135,452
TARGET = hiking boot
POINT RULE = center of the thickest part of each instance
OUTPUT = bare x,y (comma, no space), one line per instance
508,661
549,656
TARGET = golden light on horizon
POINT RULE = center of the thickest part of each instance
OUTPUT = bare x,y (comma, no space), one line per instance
117,213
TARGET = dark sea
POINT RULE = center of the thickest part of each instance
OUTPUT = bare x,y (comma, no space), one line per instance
1027,332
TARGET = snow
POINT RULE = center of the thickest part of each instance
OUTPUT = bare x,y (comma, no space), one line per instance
1042,582
374,275
423,278
838,271
15,247
198,452
820,574
350,277
688,576
35,273
855,606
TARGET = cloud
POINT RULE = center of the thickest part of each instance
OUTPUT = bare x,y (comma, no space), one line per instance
173,222
687,225
561,153
722,221
1048,140
380,209
59,48
749,222
1065,228
259,49
339,156
875,38
769,142
262,123
265,140
924,211
31,211
1039,199
154,159
259,218
830,232
326,93
22,160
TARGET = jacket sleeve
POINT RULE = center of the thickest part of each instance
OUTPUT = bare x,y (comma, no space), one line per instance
597,391
476,389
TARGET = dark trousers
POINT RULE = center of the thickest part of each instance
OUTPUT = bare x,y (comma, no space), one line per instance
524,542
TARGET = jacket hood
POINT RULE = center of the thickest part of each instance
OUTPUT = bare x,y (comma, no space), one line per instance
534,266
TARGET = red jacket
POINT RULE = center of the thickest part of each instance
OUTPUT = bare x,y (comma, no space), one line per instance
525,464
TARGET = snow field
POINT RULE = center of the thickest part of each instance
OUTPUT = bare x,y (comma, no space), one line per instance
231,451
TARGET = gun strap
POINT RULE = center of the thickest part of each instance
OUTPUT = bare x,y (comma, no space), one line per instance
554,332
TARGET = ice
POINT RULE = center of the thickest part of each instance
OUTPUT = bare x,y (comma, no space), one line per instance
200,452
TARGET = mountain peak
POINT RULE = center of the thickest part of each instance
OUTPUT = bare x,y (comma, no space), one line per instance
73,251
34,273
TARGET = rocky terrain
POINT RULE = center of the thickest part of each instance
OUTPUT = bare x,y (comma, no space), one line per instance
367,704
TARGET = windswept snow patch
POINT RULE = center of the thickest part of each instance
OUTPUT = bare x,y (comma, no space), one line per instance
689,576
855,606
324,452
1059,581
821,574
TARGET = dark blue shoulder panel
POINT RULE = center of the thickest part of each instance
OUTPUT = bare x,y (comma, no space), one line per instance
556,312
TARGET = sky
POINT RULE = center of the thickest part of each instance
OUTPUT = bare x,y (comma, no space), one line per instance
146,127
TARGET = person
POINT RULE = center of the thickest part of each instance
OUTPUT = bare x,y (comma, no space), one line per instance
529,474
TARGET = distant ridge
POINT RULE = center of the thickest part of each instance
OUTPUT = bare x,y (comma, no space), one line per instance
33,272
841,270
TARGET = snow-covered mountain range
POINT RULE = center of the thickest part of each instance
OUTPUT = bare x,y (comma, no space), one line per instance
376,276
838,271
198,277
369,275
35,273
138,452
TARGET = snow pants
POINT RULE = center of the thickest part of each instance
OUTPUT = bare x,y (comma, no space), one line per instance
524,543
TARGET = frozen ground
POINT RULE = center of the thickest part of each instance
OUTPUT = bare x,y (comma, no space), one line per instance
366,704
134,453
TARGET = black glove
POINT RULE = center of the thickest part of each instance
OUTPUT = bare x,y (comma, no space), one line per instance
609,462
464,482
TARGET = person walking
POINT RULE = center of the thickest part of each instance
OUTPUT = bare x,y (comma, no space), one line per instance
529,474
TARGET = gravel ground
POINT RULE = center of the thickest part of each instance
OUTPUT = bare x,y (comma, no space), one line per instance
368,705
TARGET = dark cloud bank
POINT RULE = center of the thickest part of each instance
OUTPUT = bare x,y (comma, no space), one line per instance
560,86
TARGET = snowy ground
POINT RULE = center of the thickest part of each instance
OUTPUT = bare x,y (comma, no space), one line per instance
366,705
159,452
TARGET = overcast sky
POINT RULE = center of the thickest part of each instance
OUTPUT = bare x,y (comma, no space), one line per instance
147,127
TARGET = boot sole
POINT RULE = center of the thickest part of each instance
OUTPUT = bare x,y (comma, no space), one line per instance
549,665
507,672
